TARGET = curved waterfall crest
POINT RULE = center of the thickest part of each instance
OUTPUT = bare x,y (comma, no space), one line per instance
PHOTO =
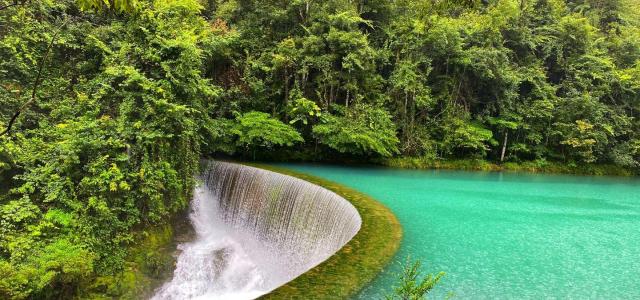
256,230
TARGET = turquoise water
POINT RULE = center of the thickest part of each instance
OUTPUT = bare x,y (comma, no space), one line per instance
509,236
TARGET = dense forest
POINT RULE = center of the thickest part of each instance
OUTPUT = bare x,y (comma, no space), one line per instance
107,107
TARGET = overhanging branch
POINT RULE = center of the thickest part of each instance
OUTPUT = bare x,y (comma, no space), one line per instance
36,83
15,3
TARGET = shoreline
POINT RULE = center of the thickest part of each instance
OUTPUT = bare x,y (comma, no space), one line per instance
534,167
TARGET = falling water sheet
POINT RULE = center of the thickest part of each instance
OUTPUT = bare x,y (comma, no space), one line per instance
256,230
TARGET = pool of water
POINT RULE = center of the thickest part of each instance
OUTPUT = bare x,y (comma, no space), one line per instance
507,235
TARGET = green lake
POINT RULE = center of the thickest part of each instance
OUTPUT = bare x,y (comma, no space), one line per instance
507,235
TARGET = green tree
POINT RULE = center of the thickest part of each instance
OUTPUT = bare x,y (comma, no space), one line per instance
505,126
259,130
361,130
464,137
413,284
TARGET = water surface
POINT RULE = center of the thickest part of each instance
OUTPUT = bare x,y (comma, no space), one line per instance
507,235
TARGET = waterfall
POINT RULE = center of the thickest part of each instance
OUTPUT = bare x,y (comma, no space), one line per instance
256,230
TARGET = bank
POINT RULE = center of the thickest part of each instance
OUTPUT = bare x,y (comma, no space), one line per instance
465,164
536,166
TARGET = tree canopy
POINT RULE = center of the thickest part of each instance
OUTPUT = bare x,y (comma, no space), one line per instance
107,107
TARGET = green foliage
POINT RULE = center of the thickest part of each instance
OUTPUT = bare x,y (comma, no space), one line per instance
110,143
503,123
258,129
363,130
303,110
103,5
57,264
465,137
413,285
459,78
111,104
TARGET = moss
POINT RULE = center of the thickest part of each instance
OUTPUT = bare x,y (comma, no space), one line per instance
538,166
150,263
359,261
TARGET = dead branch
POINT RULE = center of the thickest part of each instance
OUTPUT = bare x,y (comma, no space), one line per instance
36,83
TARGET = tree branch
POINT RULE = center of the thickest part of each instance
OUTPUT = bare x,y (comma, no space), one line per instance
15,3
36,83
8,5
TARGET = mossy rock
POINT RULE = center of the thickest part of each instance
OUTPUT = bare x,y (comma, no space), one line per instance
150,263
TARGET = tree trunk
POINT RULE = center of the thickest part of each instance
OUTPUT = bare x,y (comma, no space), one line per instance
315,151
347,101
36,83
286,86
406,102
405,118
330,96
504,146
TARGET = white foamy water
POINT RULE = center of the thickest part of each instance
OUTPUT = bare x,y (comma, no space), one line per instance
215,265
256,230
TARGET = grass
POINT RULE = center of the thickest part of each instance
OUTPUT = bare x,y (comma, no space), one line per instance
355,265
537,166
